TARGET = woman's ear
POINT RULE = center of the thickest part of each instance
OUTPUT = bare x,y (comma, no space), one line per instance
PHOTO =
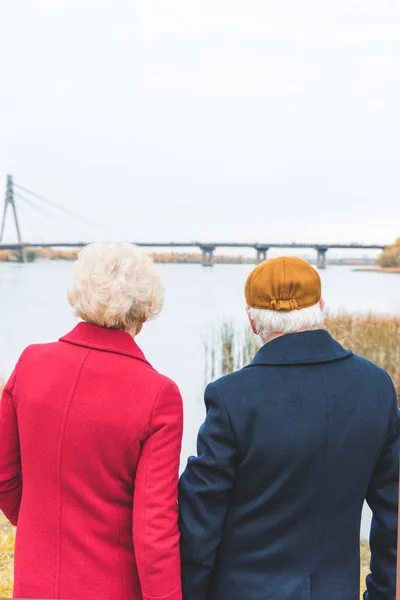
322,304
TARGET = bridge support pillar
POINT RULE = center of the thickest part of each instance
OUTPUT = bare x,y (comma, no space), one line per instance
21,254
208,256
321,256
261,253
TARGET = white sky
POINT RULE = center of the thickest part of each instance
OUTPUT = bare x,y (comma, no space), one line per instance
256,120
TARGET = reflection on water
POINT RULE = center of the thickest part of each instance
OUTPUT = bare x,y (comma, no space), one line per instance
34,309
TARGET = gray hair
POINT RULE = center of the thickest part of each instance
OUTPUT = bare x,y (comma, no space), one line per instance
270,322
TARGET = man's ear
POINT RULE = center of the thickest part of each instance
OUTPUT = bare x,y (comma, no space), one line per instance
322,304
253,327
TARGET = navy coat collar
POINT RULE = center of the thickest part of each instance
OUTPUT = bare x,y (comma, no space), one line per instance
307,347
107,340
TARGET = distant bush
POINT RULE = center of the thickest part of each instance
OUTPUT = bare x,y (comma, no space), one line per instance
30,255
390,257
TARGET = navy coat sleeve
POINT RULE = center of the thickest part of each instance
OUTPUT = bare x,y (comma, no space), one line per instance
204,492
383,500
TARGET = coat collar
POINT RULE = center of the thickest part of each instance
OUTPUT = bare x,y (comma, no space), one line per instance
308,347
107,340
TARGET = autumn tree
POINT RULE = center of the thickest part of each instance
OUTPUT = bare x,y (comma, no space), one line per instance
390,257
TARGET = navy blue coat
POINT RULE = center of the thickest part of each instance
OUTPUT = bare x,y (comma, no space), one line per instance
291,447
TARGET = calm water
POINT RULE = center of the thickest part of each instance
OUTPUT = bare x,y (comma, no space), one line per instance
34,309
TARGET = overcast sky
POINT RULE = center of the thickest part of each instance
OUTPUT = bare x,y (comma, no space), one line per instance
258,120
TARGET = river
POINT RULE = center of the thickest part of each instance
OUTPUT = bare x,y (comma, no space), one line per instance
34,309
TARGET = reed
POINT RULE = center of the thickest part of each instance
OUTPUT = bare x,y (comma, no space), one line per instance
375,337
228,348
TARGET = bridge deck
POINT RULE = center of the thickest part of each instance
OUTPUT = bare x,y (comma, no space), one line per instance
210,245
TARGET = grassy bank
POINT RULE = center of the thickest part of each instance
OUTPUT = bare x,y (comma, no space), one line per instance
381,270
365,555
34,254
7,538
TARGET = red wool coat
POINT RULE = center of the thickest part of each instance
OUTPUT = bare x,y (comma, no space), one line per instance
90,438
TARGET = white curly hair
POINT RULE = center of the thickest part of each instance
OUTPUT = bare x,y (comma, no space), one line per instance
271,322
115,285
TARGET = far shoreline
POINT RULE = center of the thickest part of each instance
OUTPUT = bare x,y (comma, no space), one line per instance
32,255
395,270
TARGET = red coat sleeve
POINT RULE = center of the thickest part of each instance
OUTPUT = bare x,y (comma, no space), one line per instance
155,504
10,459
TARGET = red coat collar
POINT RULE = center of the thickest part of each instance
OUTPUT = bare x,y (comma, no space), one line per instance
107,340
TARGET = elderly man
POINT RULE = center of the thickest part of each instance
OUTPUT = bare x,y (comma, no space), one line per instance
291,447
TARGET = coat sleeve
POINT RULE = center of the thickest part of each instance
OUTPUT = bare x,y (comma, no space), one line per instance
204,492
10,458
383,499
155,508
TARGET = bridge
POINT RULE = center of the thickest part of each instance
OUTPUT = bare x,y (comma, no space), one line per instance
16,192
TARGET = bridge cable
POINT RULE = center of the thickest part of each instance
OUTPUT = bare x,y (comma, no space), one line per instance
70,212
33,223
71,228
49,215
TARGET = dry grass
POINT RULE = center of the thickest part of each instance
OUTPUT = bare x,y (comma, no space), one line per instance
390,257
382,270
373,336
365,558
7,538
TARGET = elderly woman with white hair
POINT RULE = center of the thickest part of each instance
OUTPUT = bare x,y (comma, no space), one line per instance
90,444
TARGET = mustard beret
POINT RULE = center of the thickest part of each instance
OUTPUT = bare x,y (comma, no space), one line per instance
283,284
